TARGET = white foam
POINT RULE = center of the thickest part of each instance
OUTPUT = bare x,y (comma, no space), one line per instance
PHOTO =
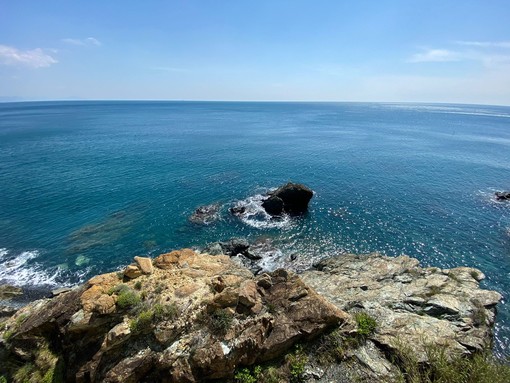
17,270
255,215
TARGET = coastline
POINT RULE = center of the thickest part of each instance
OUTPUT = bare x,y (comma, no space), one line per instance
189,317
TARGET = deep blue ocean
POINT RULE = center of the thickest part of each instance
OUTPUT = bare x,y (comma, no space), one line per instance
85,186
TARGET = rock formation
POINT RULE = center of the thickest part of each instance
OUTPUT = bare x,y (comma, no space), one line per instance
204,215
412,305
502,196
290,198
191,317
195,317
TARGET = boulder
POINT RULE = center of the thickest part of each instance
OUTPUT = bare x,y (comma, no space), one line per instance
132,271
206,214
294,197
144,264
502,196
273,205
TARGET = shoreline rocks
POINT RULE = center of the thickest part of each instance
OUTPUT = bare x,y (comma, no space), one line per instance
192,317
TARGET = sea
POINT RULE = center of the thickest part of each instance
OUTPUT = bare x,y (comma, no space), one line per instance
87,185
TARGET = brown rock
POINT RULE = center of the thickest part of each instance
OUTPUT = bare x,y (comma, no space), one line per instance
90,297
248,294
176,258
105,304
104,279
132,271
144,264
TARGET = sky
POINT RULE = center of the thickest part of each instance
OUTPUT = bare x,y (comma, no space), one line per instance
293,50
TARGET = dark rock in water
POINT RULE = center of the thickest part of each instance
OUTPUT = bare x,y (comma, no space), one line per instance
293,256
502,196
235,246
273,205
294,197
237,210
204,215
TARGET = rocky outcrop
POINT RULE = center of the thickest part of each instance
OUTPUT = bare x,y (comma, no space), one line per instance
503,196
192,317
290,198
411,305
195,317
204,215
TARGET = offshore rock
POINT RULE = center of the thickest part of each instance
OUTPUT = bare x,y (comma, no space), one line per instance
205,215
290,198
502,196
196,317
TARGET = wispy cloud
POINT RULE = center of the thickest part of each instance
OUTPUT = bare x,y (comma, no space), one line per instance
91,41
435,55
485,44
34,58
487,53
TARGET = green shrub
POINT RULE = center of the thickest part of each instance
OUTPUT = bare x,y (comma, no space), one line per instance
128,298
447,366
164,312
118,289
366,324
24,373
3,379
246,376
142,322
297,363
138,285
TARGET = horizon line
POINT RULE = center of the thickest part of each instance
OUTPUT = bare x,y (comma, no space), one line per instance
244,101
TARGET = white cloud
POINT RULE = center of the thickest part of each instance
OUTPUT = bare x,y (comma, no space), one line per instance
87,41
435,55
34,58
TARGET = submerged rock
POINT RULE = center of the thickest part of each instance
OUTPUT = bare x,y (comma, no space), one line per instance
205,215
502,196
290,198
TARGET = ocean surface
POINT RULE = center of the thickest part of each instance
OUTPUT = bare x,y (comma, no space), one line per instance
85,186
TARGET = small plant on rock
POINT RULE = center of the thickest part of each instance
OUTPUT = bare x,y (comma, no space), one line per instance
127,299
246,376
366,324
221,321
142,322
297,363
164,312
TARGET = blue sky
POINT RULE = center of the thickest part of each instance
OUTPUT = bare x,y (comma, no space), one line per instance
413,51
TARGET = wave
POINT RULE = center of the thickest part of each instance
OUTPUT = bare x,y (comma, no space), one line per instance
254,214
20,270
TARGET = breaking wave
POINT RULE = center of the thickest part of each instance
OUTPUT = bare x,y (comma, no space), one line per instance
21,270
254,214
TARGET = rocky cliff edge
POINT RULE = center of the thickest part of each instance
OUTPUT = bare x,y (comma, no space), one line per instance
190,317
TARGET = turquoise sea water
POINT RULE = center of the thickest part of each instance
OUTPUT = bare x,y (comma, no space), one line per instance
85,186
